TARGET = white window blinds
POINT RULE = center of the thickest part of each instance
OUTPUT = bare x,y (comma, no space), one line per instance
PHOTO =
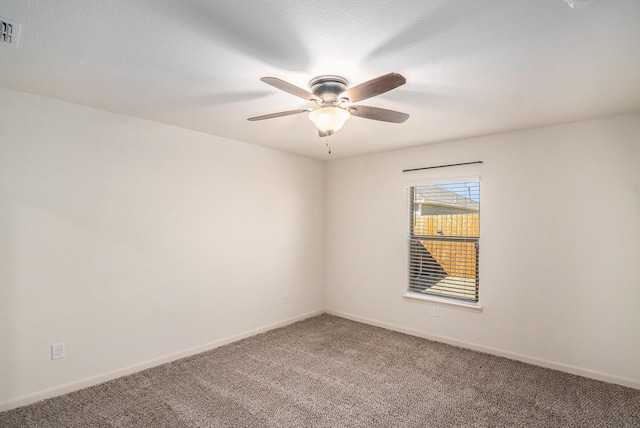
444,233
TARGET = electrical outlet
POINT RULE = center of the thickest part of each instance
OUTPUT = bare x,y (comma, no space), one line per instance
286,299
436,311
57,351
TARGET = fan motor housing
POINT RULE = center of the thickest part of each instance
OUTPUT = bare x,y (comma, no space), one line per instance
328,87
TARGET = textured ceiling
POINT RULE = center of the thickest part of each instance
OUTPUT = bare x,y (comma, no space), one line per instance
472,68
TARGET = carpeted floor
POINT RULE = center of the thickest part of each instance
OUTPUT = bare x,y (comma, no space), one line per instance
327,371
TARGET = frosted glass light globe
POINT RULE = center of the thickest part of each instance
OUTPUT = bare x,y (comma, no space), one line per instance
329,118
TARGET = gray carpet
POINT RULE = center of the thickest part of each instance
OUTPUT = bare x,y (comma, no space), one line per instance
330,372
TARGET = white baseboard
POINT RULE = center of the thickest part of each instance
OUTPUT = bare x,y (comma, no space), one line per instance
605,377
95,380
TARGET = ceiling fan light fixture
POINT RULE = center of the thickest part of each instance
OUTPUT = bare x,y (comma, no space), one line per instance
334,97
329,119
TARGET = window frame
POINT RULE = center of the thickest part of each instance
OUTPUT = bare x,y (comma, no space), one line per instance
440,298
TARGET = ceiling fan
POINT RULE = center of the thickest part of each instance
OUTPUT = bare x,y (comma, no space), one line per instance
334,97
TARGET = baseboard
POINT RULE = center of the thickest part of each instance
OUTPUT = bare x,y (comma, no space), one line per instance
605,377
95,380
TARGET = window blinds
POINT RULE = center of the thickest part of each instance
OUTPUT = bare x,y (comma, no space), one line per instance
444,232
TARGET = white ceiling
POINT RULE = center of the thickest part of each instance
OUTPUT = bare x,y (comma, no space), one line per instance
472,67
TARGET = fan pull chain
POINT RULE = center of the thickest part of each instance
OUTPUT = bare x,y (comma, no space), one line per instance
328,146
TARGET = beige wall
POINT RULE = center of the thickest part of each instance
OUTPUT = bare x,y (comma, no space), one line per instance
559,245
134,242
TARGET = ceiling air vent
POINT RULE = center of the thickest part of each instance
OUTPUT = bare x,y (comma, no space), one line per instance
9,31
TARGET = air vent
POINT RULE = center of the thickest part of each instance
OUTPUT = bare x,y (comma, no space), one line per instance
9,31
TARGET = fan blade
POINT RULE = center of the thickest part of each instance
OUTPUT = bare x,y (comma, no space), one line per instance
292,89
280,114
376,113
374,87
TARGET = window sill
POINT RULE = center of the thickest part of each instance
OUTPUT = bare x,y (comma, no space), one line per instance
471,307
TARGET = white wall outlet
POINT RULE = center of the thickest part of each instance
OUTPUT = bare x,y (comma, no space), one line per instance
436,311
57,351
285,300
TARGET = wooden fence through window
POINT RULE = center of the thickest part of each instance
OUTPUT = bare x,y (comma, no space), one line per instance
458,259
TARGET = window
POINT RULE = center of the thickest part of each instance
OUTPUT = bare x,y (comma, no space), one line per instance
444,234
